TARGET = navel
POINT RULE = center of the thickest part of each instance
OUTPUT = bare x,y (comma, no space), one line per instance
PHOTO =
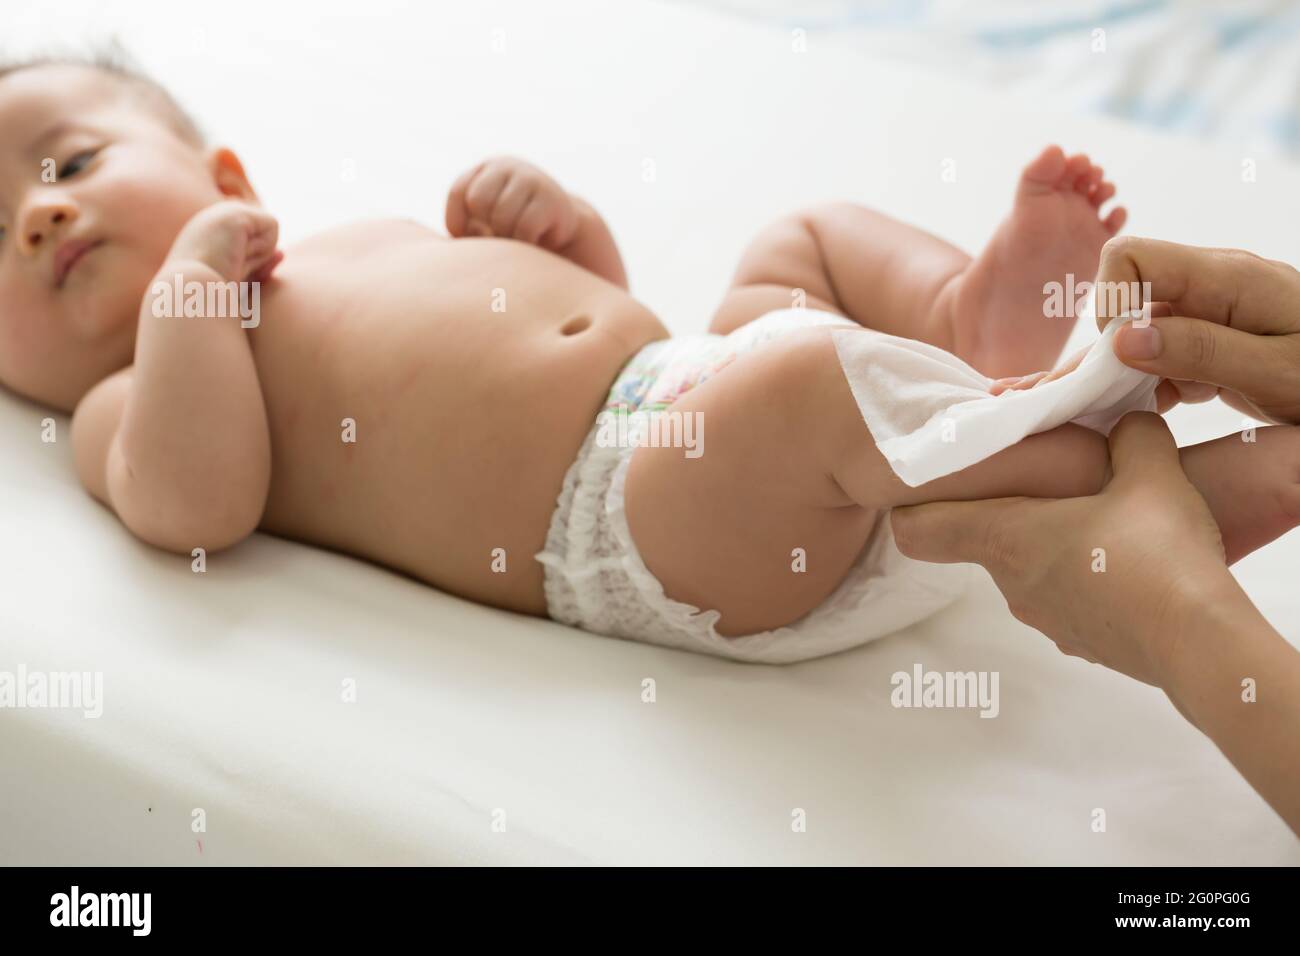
579,323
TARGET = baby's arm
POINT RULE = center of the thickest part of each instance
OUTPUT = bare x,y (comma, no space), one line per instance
178,445
511,199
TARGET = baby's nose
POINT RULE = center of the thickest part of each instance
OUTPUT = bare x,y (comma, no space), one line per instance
44,222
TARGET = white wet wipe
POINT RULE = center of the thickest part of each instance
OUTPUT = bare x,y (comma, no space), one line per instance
931,414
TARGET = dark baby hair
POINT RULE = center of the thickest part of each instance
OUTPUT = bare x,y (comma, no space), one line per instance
113,61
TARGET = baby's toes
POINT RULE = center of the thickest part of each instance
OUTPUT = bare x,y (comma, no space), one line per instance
1076,166
1089,181
1083,181
1046,167
1115,221
1103,192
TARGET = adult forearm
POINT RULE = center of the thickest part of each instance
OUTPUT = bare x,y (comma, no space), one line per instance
1238,680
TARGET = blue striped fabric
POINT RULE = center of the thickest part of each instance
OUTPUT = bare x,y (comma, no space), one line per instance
1228,72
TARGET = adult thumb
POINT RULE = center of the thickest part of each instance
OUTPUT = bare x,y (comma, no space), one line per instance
1195,350
948,532
1142,449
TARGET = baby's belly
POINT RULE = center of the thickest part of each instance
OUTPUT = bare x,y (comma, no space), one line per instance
437,447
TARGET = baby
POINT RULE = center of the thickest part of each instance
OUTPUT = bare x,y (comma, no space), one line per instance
431,403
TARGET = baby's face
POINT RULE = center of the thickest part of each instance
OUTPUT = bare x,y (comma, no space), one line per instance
77,254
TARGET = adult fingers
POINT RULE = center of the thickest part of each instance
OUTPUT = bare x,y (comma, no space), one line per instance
1225,286
948,532
1194,350
1167,396
1195,393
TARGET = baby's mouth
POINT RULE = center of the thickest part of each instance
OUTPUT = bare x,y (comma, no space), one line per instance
69,255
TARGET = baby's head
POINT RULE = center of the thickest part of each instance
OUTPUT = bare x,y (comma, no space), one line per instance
95,157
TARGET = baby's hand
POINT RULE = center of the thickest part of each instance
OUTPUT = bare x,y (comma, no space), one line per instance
236,239
1069,365
511,199
1029,381
1169,392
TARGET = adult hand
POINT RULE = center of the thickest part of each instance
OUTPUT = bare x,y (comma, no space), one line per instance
1233,323
1165,610
1148,528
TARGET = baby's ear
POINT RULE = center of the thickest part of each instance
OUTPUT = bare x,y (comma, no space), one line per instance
228,174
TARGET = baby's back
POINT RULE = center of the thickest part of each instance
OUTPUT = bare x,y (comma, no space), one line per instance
425,397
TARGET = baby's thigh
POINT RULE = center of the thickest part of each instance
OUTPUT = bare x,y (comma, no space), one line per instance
744,303
755,526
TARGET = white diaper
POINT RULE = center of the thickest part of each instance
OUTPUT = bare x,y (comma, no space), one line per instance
595,578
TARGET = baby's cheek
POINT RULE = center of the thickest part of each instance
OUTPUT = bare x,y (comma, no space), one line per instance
27,343
149,212
106,304
21,323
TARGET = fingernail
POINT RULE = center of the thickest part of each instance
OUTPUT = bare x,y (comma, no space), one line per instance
1140,344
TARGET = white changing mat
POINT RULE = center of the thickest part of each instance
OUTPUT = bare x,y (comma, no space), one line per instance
223,691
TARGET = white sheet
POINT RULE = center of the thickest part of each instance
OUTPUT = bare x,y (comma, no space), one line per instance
223,690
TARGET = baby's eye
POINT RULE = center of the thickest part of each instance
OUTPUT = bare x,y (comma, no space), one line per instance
77,163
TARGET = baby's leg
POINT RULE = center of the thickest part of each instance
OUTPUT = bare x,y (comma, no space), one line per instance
788,464
992,311
1252,487
839,257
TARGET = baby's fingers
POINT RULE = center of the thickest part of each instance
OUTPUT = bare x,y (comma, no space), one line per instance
1037,378
260,257
457,215
484,190
510,205
265,233
538,217
263,272
1017,383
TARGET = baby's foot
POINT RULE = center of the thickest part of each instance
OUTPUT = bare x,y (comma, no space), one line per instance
1250,485
1055,230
